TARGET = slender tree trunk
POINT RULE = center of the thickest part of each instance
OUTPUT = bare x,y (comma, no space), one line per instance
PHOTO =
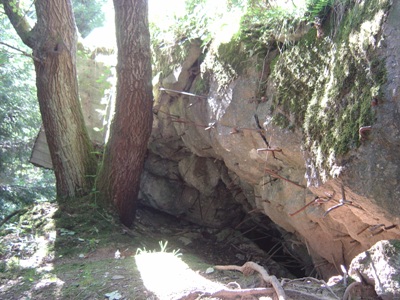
53,41
125,152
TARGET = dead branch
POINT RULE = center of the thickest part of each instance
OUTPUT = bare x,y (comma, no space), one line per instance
21,51
320,282
304,295
17,212
241,292
249,267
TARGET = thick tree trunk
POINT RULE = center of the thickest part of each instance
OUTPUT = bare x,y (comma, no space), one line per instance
125,152
53,40
57,89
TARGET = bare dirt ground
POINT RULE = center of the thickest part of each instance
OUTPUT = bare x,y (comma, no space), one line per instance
82,253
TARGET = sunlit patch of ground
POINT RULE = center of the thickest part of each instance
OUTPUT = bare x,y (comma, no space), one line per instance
169,277
72,254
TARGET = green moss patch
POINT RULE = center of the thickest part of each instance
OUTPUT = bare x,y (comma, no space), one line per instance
327,85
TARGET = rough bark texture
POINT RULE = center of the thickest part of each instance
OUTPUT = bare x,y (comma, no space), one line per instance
53,41
131,127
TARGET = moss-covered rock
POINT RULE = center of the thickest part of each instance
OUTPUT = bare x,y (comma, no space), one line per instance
327,85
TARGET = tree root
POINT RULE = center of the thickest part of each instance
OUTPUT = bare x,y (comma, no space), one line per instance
349,289
233,294
321,282
247,269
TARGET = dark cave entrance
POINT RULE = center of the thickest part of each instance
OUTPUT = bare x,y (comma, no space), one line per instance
279,245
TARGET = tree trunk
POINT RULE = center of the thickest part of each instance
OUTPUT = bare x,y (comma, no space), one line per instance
53,41
125,152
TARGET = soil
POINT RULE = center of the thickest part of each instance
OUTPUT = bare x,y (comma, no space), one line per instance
78,251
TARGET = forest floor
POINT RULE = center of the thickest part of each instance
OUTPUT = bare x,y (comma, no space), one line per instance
81,252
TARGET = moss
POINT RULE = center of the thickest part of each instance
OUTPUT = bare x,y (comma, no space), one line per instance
273,63
201,85
356,14
231,56
83,226
281,120
225,62
327,85
167,57
396,244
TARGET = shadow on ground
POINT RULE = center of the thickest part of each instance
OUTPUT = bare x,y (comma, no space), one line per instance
78,251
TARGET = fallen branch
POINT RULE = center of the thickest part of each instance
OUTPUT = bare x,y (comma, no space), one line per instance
320,282
302,295
249,267
239,292
17,212
22,52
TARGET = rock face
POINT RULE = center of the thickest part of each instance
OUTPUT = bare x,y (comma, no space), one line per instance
279,135
380,267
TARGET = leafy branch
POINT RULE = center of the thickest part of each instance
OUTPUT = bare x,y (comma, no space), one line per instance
19,21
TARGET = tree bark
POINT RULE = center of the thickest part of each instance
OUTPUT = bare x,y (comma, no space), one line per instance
53,41
126,149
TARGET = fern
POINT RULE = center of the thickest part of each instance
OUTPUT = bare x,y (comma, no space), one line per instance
319,8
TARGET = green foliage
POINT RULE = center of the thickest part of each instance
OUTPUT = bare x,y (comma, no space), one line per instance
163,246
20,182
203,21
265,24
88,15
319,8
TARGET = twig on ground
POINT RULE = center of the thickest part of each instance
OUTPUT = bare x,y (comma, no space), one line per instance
241,292
249,267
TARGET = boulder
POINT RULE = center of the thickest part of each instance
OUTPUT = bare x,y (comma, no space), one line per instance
380,266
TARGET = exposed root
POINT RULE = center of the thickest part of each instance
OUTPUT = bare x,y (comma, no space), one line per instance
349,289
321,282
230,294
304,295
249,267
